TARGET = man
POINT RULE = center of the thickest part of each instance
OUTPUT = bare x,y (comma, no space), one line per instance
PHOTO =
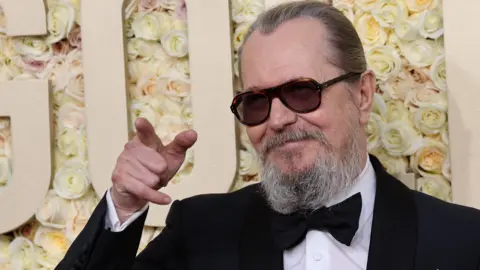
323,203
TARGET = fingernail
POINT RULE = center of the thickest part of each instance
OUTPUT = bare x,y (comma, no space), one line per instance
167,200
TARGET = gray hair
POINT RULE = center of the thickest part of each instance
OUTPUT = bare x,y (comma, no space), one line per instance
348,53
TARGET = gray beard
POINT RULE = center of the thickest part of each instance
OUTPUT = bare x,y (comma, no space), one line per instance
332,173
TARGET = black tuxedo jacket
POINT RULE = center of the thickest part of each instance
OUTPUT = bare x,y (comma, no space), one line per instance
410,231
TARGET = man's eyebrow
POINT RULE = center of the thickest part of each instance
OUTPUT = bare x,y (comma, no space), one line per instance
257,88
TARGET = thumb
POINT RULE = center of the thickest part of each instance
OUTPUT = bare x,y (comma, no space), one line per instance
181,143
146,134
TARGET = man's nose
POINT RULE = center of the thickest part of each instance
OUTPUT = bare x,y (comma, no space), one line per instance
280,116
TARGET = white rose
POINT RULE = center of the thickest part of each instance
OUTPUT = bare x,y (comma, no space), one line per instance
151,26
168,4
426,95
5,170
74,61
430,120
169,126
57,70
420,53
84,206
163,104
389,13
374,129
384,61
378,106
175,43
74,227
435,186
147,5
400,139
146,87
446,168
72,181
370,32
349,3
138,68
444,135
33,48
239,34
183,66
438,73
72,142
60,20
147,49
174,84
365,5
429,158
420,5
142,109
187,115
71,116
396,111
53,212
248,164
397,87
23,254
431,24
76,86
4,248
407,30
246,10
346,9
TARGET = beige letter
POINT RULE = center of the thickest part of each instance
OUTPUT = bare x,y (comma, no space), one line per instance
27,104
212,88
23,21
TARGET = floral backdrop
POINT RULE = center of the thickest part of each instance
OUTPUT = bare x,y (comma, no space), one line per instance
408,129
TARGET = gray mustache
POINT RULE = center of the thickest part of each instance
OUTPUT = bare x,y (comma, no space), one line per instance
292,136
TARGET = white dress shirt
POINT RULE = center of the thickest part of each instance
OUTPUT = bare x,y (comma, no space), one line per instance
319,250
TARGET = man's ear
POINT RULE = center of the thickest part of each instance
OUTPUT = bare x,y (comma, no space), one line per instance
367,87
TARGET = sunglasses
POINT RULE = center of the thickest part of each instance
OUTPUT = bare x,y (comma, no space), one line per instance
301,95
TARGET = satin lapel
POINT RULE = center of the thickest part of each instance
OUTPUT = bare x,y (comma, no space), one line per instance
394,230
257,250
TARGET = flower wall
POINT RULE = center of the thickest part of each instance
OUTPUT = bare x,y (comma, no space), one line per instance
407,131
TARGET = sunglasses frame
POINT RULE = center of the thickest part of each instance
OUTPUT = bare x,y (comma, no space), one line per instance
275,92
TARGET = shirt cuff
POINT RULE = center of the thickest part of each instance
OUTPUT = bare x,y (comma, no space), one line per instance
112,221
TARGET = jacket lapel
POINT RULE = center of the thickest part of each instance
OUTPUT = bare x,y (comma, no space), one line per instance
257,250
394,230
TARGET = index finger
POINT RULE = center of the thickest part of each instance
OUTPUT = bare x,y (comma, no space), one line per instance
146,134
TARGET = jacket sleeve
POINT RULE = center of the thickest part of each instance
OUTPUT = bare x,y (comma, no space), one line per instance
99,248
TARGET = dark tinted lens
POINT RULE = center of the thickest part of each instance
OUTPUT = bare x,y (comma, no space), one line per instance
301,96
253,108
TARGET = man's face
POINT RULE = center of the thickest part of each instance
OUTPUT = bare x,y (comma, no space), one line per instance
299,48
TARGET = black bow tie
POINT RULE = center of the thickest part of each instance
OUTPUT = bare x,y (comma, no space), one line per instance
340,220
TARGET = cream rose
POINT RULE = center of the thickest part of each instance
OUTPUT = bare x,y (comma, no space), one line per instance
142,109
187,115
407,30
397,87
76,86
346,9
84,205
72,181
426,95
416,6
148,5
138,68
71,116
146,87
3,26
168,4
146,49
60,20
438,73
374,130
389,13
74,227
396,111
53,212
54,244
431,24
444,135
248,164
169,126
72,142
174,84
400,139
239,34
183,66
57,70
163,104
366,5
370,32
396,166
446,169
430,120
246,10
75,37
33,48
420,53
23,253
151,26
175,43
379,107
429,158
384,61
5,170
4,248
436,186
